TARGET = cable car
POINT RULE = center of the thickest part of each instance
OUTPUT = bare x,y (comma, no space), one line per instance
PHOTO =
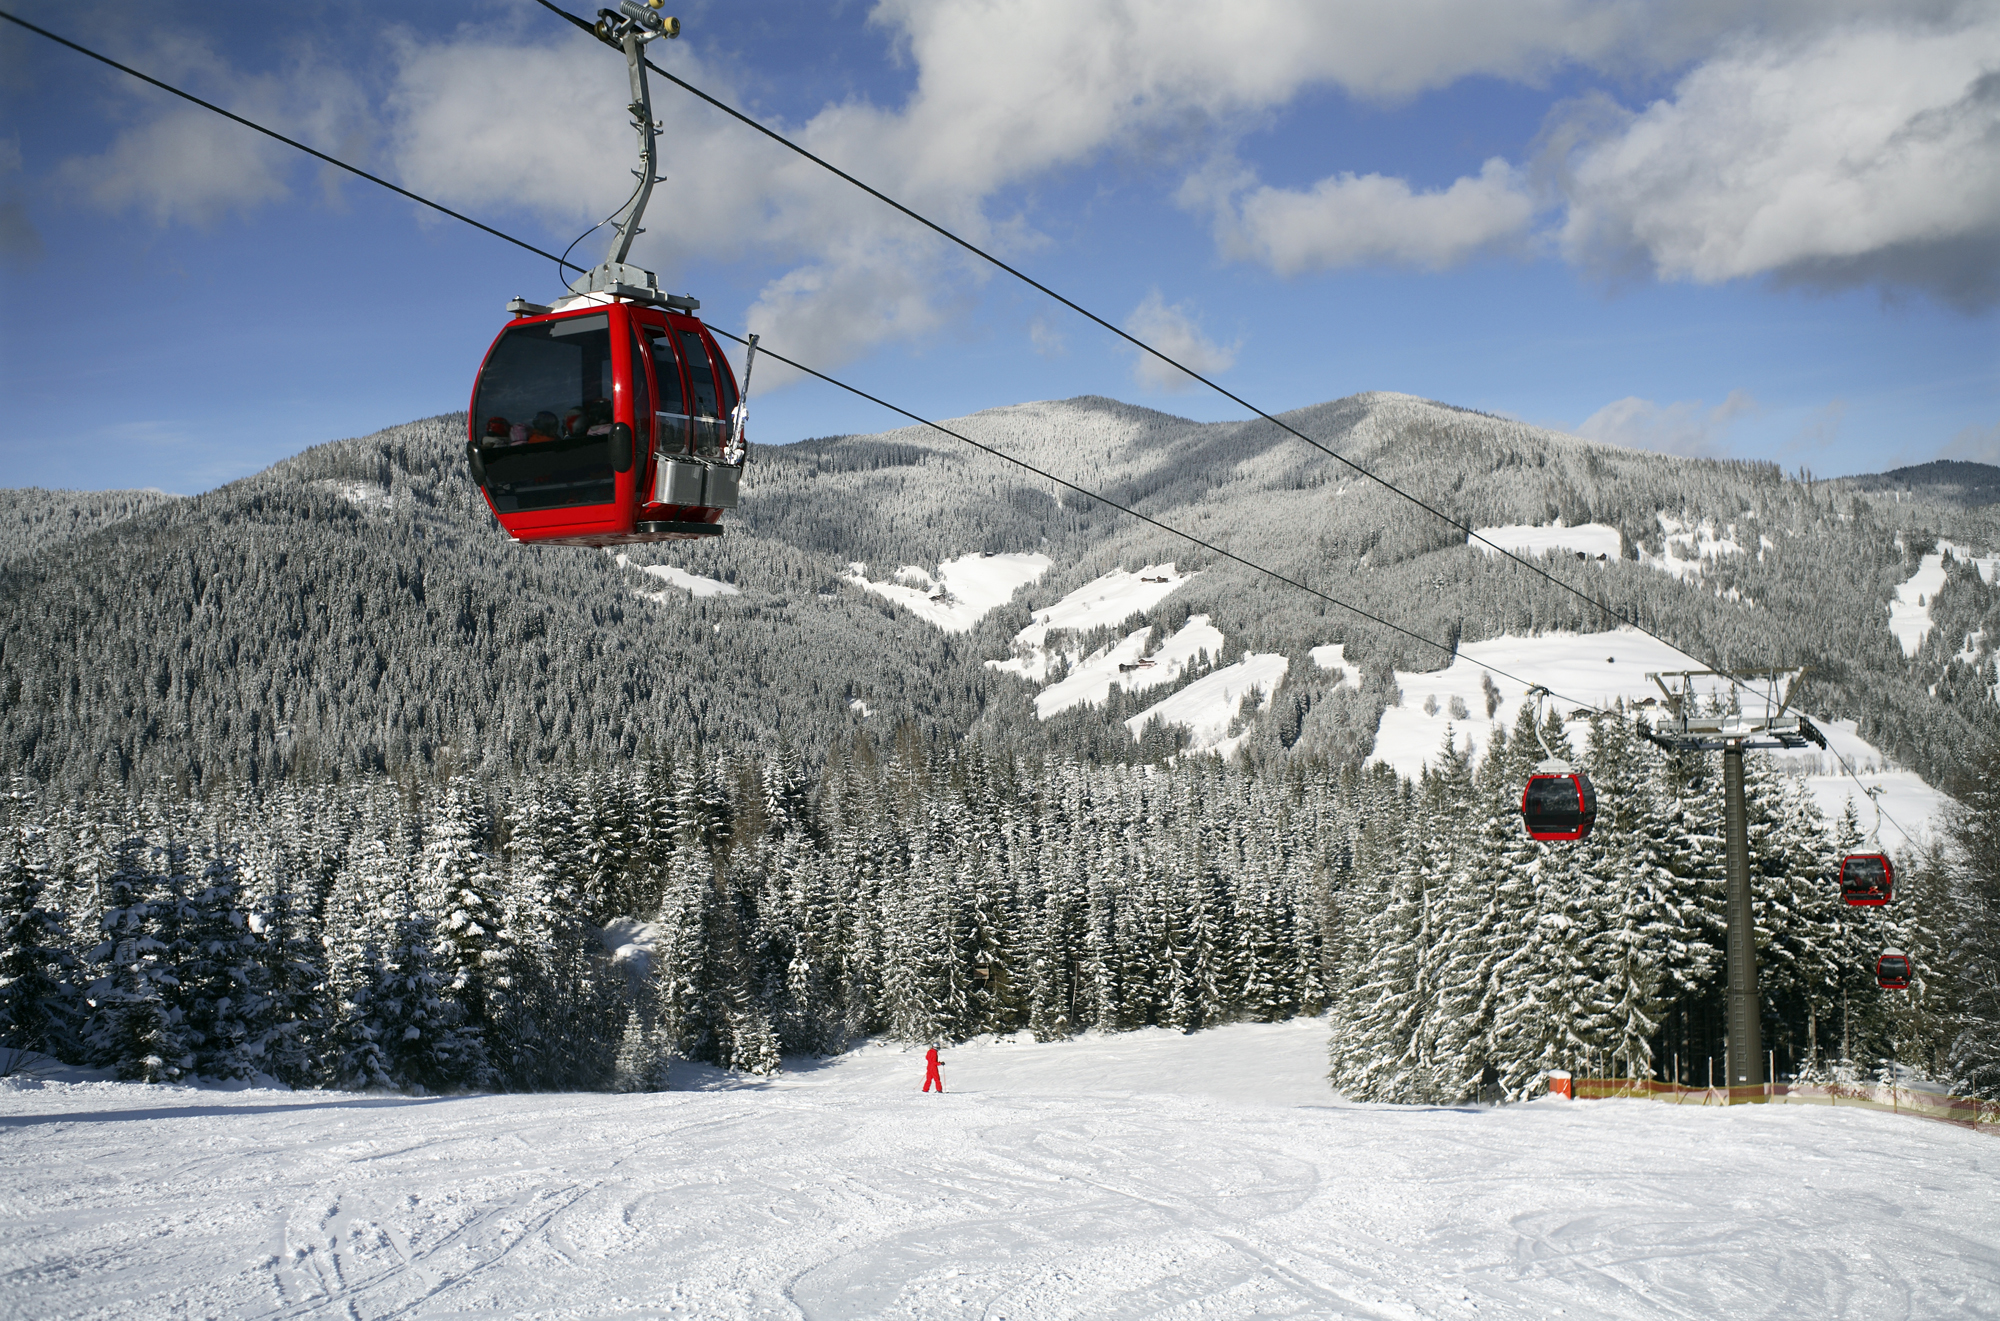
606,423
1893,970
610,416
1866,879
1559,802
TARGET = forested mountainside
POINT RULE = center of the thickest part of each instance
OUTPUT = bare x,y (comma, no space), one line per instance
355,610
1942,481
582,928
32,519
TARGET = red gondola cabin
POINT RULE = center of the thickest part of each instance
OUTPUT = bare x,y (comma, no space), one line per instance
1559,803
606,424
1893,970
1866,879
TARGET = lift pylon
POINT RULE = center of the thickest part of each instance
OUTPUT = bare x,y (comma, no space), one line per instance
1684,728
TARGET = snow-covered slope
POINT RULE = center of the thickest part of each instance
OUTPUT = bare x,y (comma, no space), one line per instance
1333,656
1910,612
1124,665
963,591
1590,540
1597,669
691,583
1152,1175
1208,706
1108,599
1687,548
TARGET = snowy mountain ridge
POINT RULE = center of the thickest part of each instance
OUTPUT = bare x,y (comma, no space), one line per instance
283,619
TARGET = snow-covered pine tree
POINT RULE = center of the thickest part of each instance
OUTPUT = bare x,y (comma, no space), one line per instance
1624,860
220,990
1971,1058
40,1005
292,1043
133,1026
356,940
456,894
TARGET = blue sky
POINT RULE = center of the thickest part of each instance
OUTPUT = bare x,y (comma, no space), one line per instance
1760,230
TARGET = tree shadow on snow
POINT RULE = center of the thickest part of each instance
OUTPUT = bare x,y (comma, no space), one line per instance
213,1111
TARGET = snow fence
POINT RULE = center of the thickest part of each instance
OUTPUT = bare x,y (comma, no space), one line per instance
1965,1111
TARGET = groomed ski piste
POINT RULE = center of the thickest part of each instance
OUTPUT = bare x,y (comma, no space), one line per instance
1146,1174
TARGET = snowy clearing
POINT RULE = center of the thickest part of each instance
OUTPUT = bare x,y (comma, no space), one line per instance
1910,612
1146,1174
1598,669
1209,705
1685,548
1124,666
1699,542
964,590
1333,656
1110,599
692,583
372,497
1591,540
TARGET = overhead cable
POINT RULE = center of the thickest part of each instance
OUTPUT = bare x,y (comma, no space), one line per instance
561,261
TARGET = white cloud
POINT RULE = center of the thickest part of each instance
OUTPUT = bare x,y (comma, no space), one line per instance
1004,91
521,115
1688,427
181,164
1347,220
1822,427
1046,339
184,167
1867,154
1173,331
1974,444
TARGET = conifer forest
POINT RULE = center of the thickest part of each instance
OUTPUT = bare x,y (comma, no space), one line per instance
582,930
317,778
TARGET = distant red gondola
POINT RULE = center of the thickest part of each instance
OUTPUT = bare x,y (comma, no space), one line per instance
1893,970
1866,879
1559,802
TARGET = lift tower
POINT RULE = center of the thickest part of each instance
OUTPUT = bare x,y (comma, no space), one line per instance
1732,733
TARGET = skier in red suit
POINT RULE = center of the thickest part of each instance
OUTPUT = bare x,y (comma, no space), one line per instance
931,1074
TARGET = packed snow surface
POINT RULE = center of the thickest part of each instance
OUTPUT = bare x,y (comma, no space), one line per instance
1125,665
1592,540
963,590
1143,1175
1210,704
1597,669
692,583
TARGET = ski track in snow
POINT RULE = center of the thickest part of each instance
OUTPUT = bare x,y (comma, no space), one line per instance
1049,1183
1598,669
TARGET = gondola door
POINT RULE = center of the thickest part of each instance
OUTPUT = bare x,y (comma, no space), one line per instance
553,437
